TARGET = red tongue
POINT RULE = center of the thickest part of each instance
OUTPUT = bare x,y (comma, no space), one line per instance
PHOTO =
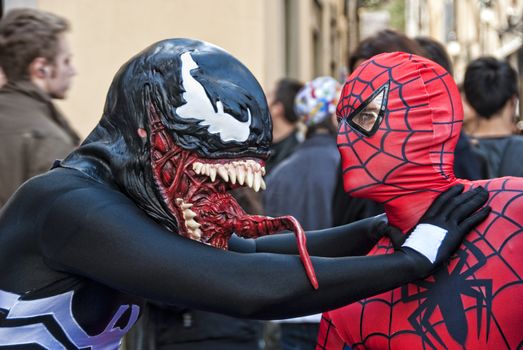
302,247
220,215
252,226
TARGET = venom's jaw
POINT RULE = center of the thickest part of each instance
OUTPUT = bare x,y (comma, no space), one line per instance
212,180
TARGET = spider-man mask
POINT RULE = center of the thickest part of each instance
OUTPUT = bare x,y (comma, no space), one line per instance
184,123
400,117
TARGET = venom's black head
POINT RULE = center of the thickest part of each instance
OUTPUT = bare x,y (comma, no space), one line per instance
208,103
184,123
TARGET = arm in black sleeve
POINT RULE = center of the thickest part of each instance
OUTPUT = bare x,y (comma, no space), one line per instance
352,239
106,238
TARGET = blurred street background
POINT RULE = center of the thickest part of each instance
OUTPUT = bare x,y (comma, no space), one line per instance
301,39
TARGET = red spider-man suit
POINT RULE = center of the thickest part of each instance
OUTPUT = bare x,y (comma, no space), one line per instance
400,117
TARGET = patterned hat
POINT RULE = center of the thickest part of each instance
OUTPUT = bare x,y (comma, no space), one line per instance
317,100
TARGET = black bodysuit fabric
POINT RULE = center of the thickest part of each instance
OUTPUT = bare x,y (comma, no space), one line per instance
64,231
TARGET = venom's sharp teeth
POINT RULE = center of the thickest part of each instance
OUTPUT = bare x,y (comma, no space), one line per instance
196,234
186,205
212,173
250,177
188,214
257,182
188,217
192,224
197,167
248,173
223,173
241,175
232,174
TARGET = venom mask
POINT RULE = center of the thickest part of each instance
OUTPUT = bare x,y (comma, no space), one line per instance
184,123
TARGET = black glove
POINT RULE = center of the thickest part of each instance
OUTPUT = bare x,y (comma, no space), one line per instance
442,228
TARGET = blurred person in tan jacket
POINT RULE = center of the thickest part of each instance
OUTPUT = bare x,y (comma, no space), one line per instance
36,60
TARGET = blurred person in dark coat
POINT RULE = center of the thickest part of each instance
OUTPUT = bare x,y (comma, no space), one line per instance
491,89
36,60
303,185
285,133
469,163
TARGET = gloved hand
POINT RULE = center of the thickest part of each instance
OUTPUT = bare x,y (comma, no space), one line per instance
444,225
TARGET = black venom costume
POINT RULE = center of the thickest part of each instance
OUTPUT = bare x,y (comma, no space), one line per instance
140,208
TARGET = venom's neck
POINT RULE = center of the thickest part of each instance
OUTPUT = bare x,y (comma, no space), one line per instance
92,160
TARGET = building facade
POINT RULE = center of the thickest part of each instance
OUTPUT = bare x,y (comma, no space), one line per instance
470,28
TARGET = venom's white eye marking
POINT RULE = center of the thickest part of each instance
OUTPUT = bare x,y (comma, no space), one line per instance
198,106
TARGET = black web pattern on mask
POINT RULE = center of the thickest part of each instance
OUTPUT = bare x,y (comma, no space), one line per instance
352,97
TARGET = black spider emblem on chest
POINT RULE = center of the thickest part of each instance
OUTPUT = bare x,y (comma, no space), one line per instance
445,293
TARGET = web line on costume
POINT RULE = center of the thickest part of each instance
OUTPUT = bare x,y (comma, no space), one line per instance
351,101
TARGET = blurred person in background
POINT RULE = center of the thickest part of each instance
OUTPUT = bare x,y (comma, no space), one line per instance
36,60
386,40
303,185
285,133
436,52
470,117
491,89
170,327
469,163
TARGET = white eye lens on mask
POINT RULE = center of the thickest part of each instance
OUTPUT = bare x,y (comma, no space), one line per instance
367,118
